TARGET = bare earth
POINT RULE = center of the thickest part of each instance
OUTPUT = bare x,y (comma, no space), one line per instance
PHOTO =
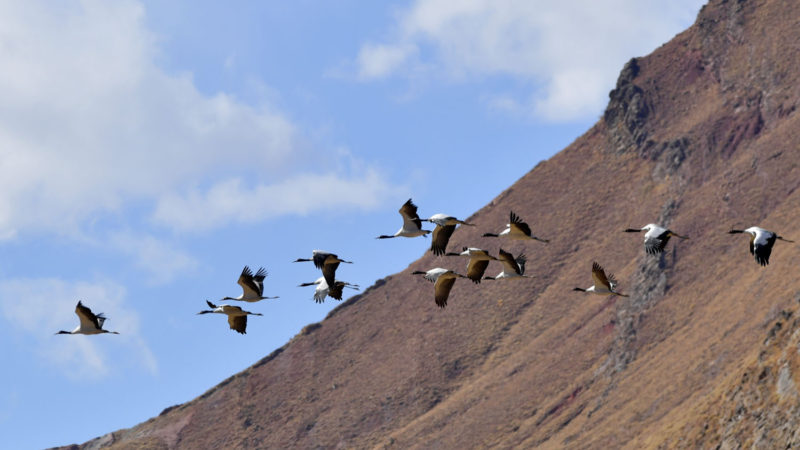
702,136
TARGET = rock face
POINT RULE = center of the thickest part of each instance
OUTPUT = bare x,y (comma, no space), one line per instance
702,136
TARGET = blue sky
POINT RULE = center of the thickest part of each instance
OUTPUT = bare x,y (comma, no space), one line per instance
149,150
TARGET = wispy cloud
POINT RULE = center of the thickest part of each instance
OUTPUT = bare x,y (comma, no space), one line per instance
38,307
572,50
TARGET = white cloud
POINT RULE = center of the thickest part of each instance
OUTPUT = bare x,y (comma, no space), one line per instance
378,61
42,306
573,50
90,124
232,201
162,261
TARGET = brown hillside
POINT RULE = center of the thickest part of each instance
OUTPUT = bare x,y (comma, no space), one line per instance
701,135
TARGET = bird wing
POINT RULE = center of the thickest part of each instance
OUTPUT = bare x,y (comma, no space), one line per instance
410,217
516,222
442,291
87,318
441,236
762,250
655,244
238,323
336,290
509,264
258,279
521,260
599,276
329,272
612,282
250,286
476,268
321,291
211,305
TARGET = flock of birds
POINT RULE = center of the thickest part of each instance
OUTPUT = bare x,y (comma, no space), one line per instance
655,240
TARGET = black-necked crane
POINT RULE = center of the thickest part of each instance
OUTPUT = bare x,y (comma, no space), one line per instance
90,323
478,262
516,229
412,224
603,285
323,290
656,237
327,262
512,267
443,280
761,242
252,286
237,318
445,226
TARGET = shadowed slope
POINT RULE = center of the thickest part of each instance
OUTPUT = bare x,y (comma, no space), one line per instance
699,136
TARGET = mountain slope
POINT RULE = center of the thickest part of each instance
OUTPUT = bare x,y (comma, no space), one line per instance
700,136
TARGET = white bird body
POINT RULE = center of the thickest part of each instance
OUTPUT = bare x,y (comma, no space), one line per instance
761,242
90,323
412,224
655,238
445,220
443,280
